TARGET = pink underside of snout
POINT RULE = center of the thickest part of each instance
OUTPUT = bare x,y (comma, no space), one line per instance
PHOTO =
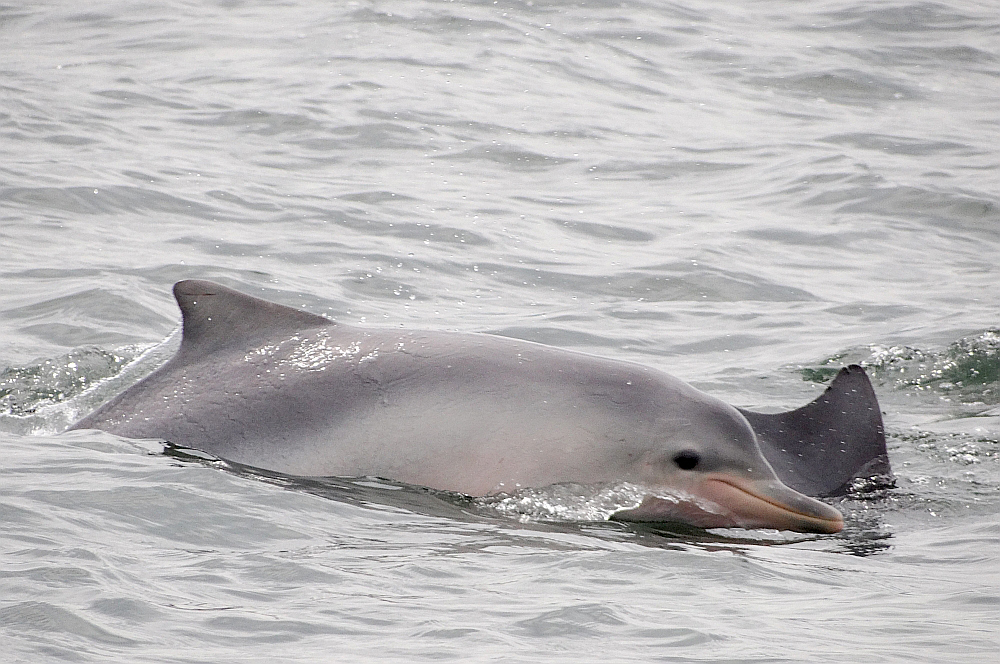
725,502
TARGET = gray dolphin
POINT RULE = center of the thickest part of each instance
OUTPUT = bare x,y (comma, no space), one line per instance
277,388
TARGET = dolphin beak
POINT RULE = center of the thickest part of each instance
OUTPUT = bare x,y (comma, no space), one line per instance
770,504
726,501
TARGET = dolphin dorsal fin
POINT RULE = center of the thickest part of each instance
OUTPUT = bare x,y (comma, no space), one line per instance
217,317
819,448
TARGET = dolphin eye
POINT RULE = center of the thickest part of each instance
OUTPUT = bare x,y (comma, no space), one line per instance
687,459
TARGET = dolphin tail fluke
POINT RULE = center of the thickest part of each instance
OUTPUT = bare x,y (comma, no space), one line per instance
820,448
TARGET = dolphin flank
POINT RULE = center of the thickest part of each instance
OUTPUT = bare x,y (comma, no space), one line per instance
277,388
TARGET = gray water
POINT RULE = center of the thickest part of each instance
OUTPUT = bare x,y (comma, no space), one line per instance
747,195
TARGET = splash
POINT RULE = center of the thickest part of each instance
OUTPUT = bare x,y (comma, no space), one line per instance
967,371
565,502
313,353
23,390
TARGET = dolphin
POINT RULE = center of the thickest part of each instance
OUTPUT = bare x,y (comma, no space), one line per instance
281,389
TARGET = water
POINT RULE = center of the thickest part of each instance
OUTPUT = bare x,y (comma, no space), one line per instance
745,195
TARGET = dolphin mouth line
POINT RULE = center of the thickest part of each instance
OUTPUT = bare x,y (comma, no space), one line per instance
831,522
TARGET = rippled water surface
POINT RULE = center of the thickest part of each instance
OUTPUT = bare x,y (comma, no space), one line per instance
747,195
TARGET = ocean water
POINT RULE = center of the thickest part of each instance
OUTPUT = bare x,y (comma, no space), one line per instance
746,195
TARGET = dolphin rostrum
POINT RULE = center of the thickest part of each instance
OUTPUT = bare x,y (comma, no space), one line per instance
273,387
